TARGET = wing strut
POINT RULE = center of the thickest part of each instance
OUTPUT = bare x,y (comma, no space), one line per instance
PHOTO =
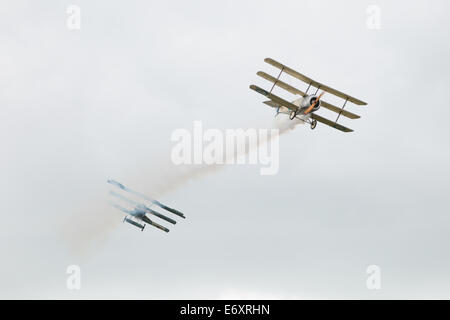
342,109
278,78
275,82
317,90
309,86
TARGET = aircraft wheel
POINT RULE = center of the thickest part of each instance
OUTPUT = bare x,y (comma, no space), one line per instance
313,124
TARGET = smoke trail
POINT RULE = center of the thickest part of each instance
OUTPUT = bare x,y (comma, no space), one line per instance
88,228
286,125
86,232
191,172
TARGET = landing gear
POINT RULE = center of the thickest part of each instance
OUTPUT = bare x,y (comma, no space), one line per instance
278,112
313,124
292,115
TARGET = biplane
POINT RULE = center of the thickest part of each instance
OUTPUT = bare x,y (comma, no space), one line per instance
305,107
138,216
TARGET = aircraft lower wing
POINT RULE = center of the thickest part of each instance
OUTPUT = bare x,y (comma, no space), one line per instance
345,113
147,220
274,98
330,123
280,108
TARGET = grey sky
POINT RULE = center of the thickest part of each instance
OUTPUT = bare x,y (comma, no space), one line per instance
79,107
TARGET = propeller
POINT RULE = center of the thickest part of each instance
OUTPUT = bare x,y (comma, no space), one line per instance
314,103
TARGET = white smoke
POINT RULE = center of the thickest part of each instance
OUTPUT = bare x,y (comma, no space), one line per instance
185,173
84,232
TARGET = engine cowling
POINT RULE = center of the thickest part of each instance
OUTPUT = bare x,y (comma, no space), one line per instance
308,101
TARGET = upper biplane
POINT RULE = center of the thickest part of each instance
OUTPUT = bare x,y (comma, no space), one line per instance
305,107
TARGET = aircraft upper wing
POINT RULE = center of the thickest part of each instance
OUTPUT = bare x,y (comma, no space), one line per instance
293,90
316,84
275,98
330,123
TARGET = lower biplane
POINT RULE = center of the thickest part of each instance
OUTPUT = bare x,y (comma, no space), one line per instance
138,216
305,107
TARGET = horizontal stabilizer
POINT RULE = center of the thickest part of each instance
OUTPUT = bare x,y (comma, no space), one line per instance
274,98
272,104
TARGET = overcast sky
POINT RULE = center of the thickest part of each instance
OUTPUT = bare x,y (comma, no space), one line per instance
81,106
